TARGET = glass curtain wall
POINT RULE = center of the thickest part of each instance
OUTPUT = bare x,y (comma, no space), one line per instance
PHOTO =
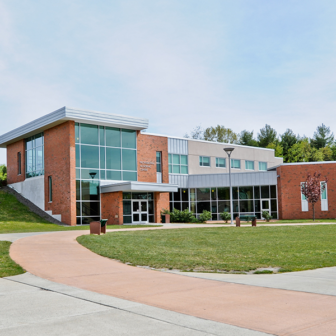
246,200
35,155
102,153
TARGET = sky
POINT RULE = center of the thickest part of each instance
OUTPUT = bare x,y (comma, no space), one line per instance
180,64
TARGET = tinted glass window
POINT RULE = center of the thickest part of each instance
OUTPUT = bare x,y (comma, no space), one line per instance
129,159
203,194
89,134
223,193
128,139
113,158
112,137
89,156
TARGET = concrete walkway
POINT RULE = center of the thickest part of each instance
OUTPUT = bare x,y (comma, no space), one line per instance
59,258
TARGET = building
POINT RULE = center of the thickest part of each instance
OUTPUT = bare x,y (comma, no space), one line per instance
81,166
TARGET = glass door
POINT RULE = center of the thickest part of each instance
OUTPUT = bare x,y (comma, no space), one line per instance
140,211
265,205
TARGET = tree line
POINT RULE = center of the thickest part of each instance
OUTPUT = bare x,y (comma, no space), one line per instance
292,147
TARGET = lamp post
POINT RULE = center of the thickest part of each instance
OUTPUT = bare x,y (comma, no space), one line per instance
93,174
229,151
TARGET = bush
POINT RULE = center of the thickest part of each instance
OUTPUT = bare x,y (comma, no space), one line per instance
266,215
3,175
205,216
225,216
185,216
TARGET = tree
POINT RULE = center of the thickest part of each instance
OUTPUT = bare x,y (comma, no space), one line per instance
266,136
312,189
278,150
300,152
3,174
196,133
327,153
322,137
220,134
246,138
288,140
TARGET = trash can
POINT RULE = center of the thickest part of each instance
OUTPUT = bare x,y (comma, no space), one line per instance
98,227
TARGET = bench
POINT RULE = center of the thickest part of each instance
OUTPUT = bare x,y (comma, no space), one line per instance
246,218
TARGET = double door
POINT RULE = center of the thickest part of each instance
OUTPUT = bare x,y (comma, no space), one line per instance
265,205
140,211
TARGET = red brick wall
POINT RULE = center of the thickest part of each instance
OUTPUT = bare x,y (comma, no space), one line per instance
148,145
60,163
112,205
161,201
289,194
12,164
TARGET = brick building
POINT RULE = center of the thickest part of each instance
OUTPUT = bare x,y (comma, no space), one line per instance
82,165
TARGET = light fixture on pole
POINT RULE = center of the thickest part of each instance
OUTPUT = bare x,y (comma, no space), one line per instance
93,174
229,151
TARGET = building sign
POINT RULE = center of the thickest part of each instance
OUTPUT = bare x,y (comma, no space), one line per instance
145,165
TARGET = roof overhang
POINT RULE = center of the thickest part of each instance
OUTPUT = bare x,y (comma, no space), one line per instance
65,114
134,186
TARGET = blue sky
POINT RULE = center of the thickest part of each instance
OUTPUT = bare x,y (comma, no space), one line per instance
180,64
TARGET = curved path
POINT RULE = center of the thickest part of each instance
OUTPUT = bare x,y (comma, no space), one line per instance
59,258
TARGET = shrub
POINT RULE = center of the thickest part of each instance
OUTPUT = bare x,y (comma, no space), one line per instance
225,216
185,216
3,175
205,216
266,215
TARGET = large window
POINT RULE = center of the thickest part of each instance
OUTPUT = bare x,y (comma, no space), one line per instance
204,161
246,200
324,197
178,164
158,162
235,163
220,163
249,165
35,155
102,153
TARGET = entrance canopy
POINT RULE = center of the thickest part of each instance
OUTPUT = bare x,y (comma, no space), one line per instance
138,187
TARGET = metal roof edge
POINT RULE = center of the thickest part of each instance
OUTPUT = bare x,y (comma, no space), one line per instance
301,163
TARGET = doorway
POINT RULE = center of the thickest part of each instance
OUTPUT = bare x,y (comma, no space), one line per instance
265,206
139,211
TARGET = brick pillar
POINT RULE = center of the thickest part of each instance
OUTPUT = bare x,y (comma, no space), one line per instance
112,207
161,201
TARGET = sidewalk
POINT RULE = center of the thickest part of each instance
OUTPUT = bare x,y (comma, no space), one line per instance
59,258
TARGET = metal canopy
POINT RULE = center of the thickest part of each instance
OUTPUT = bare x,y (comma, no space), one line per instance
138,187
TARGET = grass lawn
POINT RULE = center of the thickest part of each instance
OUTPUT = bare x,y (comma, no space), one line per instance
16,217
293,248
282,221
7,266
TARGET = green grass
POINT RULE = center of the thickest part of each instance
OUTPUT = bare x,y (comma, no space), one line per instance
291,248
16,217
7,266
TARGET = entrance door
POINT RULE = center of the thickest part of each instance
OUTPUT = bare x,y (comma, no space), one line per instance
140,211
265,205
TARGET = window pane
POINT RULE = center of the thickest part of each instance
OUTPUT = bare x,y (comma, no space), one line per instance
205,161
246,206
274,205
128,159
177,205
89,134
184,206
273,191
257,192
76,132
176,159
201,206
29,161
127,219
113,175
112,136
129,176
257,205
177,195
128,138
262,165
90,190
127,210
235,193
77,156
158,168
127,195
102,174
89,156
170,167
88,220
39,158
139,195
102,157
249,165
78,209
113,158
324,192
151,207
220,163
77,190
185,195
38,140
223,206
85,173
245,192
213,194
224,193
78,174
184,169
184,159
235,163
169,158
102,136
90,208
203,194
264,191
192,195
158,157
176,169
